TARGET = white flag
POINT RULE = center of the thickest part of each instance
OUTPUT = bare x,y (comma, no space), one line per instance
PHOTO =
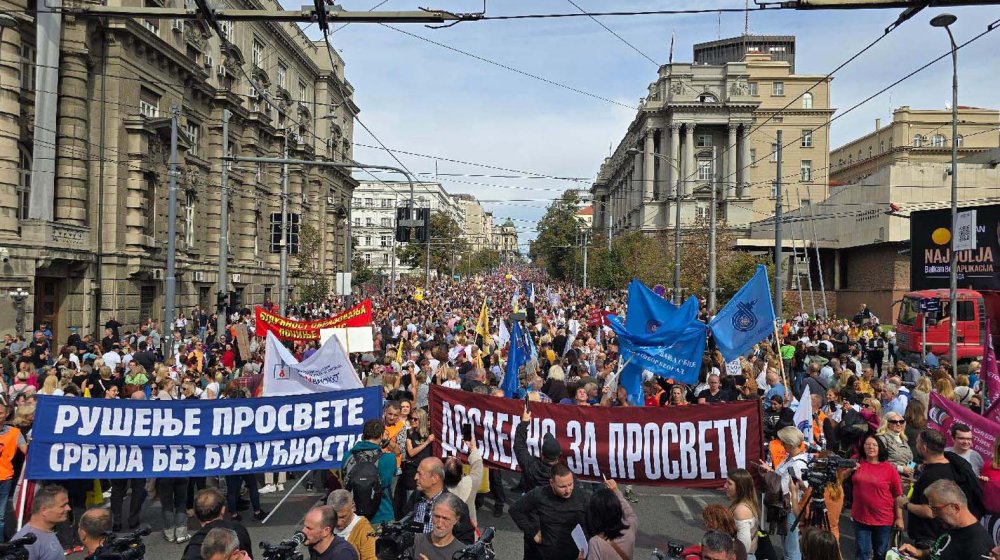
504,334
804,416
329,369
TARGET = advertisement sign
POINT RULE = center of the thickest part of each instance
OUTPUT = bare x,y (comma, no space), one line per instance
930,240
690,446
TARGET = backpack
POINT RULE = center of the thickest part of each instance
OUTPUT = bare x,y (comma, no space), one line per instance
967,480
362,480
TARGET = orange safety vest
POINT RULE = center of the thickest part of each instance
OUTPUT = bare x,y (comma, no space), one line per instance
8,447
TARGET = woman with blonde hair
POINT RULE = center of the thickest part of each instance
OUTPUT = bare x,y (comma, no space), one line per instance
555,385
893,435
945,388
922,392
449,378
963,393
742,494
51,386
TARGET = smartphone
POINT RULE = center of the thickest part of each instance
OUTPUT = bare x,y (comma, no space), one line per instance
527,403
466,432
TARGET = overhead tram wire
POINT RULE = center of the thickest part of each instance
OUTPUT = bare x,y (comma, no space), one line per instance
634,13
617,36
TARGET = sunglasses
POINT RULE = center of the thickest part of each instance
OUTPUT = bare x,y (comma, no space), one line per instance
897,422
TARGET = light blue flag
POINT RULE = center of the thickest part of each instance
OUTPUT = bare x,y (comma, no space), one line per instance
648,312
747,319
517,356
675,354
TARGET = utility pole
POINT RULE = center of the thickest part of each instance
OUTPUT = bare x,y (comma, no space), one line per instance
283,244
819,262
795,260
777,230
392,279
584,259
712,223
220,319
802,232
677,239
427,265
170,286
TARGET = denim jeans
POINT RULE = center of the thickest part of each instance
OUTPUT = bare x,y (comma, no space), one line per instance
791,543
5,488
869,539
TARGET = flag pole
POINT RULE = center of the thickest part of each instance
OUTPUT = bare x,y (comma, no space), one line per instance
781,361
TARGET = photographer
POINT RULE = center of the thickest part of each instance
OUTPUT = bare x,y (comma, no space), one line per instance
95,524
222,544
430,486
50,508
440,543
319,527
210,509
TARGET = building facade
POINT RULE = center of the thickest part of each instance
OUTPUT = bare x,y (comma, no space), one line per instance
862,229
505,241
373,219
478,228
714,126
84,212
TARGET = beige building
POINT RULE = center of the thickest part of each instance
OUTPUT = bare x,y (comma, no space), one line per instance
863,227
505,241
477,224
705,125
83,200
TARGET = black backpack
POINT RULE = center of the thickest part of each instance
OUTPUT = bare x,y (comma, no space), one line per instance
362,480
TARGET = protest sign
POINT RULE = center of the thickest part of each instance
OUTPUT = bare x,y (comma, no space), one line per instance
105,438
692,446
946,412
328,369
352,339
287,329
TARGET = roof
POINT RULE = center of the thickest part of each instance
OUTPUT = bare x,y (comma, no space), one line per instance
585,211
748,39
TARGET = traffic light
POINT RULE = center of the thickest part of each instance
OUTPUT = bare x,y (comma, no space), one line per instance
423,232
221,301
237,299
402,232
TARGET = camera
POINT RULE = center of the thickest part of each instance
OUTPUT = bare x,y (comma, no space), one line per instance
673,552
124,547
479,550
287,549
14,550
823,470
395,540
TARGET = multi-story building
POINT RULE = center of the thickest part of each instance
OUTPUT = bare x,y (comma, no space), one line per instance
373,218
85,120
478,230
714,126
505,241
862,230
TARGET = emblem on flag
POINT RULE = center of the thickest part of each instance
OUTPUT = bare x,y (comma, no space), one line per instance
745,319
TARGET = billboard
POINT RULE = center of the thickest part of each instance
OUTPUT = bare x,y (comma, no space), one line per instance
930,243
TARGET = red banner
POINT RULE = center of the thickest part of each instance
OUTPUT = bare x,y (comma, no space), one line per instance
287,329
945,412
691,446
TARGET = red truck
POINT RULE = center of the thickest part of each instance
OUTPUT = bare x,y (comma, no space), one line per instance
974,310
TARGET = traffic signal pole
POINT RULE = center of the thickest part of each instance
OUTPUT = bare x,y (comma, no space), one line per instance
220,312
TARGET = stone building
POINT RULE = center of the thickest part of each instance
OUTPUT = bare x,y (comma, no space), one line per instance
705,125
373,218
85,126
863,229
505,241
478,230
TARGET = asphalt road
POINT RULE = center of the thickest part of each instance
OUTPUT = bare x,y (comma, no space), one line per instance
664,514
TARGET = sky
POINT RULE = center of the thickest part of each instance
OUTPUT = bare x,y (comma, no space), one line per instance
424,98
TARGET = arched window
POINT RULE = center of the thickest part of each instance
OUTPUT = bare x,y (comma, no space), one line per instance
807,101
959,140
938,141
918,141
707,98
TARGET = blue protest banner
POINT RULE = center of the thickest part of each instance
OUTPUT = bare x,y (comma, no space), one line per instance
518,355
668,353
747,319
76,438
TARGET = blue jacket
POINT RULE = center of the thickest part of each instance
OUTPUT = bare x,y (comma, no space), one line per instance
386,471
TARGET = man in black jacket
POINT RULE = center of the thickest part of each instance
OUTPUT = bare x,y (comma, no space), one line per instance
562,510
210,509
430,485
535,472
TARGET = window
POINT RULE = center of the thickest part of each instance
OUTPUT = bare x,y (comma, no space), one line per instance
368,259
700,213
357,222
778,88
257,53
753,158
292,239
368,241
385,258
386,222
226,26
23,181
369,222
149,225
27,67
149,104
369,202
807,139
776,49
805,170
881,146
194,133
280,78
753,88
869,152
774,151
807,101
302,93
959,140
704,140
258,172
774,189
189,221
704,170
707,98
918,141
938,141
386,203
384,241
850,159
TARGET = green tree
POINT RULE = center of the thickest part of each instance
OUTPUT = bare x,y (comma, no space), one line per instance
313,283
446,243
361,273
483,260
555,250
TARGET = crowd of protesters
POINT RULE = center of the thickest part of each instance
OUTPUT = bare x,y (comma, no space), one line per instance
905,485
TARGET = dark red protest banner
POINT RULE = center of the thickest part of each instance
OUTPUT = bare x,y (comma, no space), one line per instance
690,446
288,329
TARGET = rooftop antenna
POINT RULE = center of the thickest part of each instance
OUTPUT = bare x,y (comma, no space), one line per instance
670,60
718,27
746,17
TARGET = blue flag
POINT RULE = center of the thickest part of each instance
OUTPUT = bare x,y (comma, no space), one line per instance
648,312
519,355
747,319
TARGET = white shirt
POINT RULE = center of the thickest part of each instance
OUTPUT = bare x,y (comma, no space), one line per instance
112,359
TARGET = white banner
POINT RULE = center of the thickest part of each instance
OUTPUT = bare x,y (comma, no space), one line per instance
351,339
329,369
965,231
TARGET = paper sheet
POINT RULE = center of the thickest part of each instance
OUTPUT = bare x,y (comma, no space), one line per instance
581,540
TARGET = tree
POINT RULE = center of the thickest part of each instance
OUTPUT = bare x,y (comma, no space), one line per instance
313,284
483,260
361,273
446,242
555,249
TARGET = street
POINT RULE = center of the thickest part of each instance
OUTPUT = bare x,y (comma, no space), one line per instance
664,514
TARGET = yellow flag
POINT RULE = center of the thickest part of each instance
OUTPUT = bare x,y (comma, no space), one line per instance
483,330
399,352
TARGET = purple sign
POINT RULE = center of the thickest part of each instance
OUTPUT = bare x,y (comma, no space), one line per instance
659,290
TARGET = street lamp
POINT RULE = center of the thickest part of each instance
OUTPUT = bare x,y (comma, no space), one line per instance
19,296
945,21
677,220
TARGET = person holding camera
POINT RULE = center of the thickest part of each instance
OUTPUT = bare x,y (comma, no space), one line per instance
430,486
440,543
50,508
319,528
94,526
792,471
